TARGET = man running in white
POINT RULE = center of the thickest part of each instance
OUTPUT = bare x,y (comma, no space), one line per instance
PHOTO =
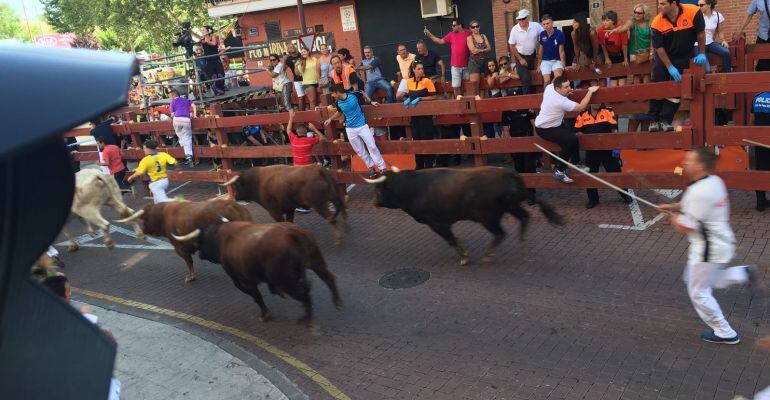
704,215
359,134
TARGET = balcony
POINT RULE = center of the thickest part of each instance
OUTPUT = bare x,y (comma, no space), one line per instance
226,8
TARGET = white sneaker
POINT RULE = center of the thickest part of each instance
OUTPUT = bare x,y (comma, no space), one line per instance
583,168
302,210
562,177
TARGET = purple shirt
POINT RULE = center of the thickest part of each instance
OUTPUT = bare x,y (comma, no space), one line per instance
180,107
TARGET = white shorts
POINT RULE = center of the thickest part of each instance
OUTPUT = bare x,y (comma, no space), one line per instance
458,74
298,89
548,66
401,87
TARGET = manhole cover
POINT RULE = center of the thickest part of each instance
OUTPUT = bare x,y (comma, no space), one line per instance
404,278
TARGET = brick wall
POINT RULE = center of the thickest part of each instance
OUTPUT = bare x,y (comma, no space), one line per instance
733,10
326,14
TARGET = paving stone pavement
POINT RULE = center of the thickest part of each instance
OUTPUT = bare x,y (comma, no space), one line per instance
575,312
159,361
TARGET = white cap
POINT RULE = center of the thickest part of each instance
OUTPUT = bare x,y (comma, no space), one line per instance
523,13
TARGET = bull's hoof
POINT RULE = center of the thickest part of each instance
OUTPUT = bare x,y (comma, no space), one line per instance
190,278
522,238
266,316
338,304
73,248
109,245
464,260
141,237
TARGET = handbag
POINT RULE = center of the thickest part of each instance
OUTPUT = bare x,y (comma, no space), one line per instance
641,58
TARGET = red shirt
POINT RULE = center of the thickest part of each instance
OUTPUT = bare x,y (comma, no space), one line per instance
112,153
613,42
302,148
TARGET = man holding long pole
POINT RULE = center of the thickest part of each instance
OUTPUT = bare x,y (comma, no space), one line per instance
704,215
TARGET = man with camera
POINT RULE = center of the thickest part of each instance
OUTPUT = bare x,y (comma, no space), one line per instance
184,38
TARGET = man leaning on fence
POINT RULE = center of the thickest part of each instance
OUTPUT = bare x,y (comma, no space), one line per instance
674,31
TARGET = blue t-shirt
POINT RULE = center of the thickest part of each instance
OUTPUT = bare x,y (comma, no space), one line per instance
354,116
761,109
376,72
551,44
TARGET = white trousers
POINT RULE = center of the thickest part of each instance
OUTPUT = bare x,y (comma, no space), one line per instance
362,140
701,279
183,129
158,189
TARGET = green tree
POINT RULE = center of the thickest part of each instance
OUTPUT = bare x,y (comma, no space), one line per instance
128,24
10,27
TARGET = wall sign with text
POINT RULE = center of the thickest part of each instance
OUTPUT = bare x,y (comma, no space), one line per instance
279,47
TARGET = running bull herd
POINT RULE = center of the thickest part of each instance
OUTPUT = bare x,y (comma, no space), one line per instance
278,254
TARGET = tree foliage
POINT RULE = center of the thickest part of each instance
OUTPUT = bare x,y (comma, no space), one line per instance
10,26
130,25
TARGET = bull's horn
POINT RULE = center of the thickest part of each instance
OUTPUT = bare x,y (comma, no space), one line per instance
132,217
231,181
394,169
377,180
225,219
190,236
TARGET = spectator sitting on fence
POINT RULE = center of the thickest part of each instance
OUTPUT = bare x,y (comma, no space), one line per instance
763,28
372,66
281,82
344,74
599,119
715,40
243,81
674,49
359,134
550,124
614,44
459,52
550,53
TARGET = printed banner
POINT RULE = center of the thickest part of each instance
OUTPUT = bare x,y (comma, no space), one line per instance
281,46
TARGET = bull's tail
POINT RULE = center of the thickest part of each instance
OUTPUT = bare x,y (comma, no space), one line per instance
116,199
315,261
550,214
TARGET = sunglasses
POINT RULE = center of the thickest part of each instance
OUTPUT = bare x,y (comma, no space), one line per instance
702,4
639,12
273,59
503,64
475,27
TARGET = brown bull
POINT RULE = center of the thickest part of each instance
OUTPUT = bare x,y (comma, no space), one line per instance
176,217
276,254
280,189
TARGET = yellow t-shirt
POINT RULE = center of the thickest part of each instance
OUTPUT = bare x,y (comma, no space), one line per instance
154,165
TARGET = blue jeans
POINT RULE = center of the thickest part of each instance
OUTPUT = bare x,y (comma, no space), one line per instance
371,86
724,52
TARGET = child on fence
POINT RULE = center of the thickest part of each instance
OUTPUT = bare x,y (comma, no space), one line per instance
154,164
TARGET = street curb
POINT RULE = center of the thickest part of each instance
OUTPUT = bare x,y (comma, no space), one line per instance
273,375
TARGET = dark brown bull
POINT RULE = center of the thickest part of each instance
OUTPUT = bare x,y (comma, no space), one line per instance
276,254
177,217
280,189
442,196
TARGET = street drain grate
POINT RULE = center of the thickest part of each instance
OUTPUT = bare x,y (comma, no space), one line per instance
404,278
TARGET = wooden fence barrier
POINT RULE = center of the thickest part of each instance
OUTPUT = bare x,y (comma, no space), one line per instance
700,93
